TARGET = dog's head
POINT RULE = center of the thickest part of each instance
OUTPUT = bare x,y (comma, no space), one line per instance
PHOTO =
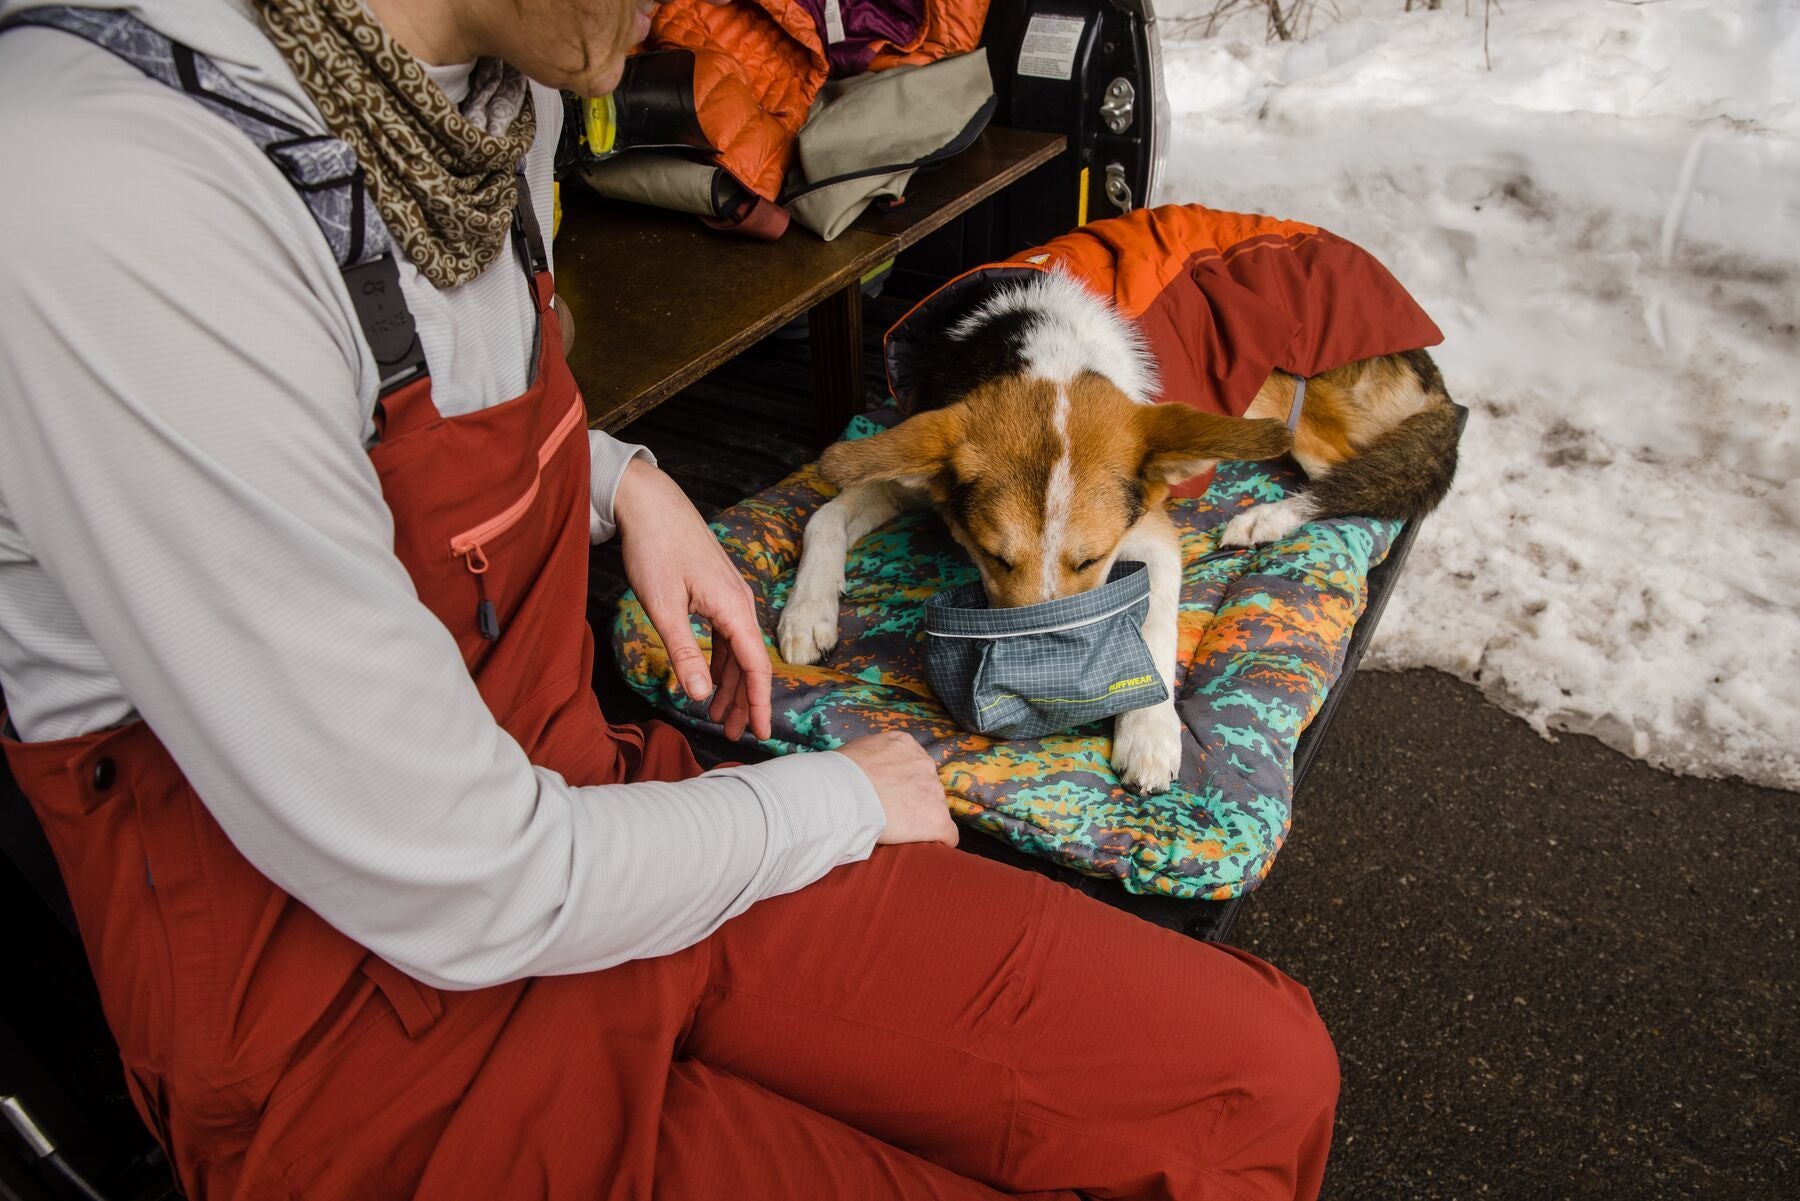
1040,480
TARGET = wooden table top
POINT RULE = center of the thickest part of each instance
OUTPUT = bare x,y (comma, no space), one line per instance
659,300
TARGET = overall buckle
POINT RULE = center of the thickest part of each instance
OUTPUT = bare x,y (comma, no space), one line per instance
386,321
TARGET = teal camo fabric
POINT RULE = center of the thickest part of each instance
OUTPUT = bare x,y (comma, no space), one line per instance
1262,639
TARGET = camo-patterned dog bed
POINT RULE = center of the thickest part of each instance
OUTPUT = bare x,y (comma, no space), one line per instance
1262,638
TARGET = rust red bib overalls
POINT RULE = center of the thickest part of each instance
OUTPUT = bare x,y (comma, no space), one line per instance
925,1024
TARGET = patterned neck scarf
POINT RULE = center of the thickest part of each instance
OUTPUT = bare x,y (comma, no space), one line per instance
442,177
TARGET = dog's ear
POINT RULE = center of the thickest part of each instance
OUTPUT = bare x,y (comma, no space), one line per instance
1180,441
914,453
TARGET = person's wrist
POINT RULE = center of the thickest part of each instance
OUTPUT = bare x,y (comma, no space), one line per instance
637,484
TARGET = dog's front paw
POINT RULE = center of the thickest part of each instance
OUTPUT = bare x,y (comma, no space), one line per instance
1267,523
1146,754
808,628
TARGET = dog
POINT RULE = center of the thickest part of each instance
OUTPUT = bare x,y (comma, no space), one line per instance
1036,440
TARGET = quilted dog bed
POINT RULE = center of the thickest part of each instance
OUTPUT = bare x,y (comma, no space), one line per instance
1262,639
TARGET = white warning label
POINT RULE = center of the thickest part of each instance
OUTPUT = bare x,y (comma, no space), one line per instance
1048,51
834,23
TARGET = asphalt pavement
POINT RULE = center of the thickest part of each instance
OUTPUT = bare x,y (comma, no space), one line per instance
1551,971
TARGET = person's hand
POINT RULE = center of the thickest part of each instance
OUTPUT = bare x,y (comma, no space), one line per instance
906,780
678,569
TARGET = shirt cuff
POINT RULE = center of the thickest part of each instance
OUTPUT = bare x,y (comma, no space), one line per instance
821,812
611,457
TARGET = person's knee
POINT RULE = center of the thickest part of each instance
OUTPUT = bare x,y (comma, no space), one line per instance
1298,1078
1272,1142
1302,1055
1288,1065
1314,1066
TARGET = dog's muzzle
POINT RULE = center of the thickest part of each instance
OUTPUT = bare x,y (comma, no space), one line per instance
1022,673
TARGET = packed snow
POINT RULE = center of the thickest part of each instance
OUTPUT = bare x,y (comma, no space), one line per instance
1605,223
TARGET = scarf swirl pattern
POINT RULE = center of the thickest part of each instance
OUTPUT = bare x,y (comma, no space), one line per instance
442,177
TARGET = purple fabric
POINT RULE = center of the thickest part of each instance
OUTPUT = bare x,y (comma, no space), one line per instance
865,22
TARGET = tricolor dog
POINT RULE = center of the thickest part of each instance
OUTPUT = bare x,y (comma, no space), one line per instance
1034,427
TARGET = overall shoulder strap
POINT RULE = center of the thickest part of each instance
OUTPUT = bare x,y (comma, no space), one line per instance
321,168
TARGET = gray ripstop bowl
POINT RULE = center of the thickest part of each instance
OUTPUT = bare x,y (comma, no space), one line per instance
1026,672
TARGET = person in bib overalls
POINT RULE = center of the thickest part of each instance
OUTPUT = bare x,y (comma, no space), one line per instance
296,498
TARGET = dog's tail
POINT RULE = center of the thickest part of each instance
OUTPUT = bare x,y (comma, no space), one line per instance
1403,473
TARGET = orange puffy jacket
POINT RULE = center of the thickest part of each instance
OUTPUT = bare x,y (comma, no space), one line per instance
1222,299
758,64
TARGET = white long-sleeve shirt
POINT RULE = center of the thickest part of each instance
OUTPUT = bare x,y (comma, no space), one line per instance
191,532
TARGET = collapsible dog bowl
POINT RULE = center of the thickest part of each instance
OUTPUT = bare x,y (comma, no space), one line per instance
1021,673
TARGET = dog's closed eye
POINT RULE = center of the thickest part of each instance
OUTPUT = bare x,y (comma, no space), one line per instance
1086,563
1002,564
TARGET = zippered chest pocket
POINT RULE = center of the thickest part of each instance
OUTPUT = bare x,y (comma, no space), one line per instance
472,545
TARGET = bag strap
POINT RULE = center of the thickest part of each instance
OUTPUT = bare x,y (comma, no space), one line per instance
321,168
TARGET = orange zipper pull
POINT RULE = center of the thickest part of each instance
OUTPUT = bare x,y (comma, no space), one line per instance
487,618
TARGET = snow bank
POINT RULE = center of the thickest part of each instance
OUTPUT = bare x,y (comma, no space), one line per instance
1606,226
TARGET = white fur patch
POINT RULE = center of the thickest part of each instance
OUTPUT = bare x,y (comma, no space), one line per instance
1146,749
1059,496
1073,329
1268,523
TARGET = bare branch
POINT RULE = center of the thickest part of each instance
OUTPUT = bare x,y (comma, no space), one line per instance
1277,22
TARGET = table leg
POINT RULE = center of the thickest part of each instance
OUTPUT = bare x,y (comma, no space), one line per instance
835,326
